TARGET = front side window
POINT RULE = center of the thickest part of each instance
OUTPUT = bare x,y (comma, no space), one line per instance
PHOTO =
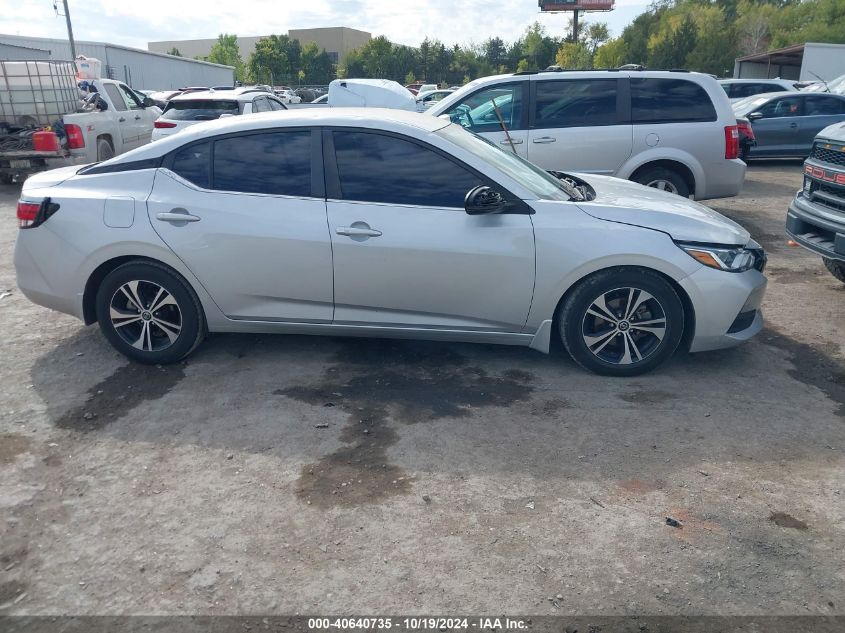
277,163
575,103
199,109
391,170
260,105
783,107
669,101
192,163
130,98
478,113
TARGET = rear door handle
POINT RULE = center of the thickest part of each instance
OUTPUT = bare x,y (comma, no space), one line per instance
177,216
121,120
137,118
545,139
355,231
515,141
793,125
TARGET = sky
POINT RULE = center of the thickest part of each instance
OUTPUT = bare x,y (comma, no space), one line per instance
134,23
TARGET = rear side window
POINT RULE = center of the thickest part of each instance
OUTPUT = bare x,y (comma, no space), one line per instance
115,96
386,169
192,163
575,103
820,105
199,109
669,101
277,163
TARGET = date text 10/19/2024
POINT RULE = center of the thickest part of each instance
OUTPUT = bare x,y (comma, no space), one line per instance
417,624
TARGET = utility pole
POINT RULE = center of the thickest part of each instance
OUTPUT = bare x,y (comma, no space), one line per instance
574,25
69,29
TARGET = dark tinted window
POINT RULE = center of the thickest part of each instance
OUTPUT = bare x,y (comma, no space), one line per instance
275,105
575,103
477,113
115,96
376,168
669,101
260,105
782,107
192,163
819,105
199,109
276,163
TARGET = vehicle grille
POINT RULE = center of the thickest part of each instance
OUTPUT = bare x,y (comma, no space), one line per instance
828,155
828,196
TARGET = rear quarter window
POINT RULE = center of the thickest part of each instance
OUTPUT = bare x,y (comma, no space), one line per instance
669,101
199,109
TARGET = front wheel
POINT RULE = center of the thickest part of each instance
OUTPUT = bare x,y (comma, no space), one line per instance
622,322
149,313
836,268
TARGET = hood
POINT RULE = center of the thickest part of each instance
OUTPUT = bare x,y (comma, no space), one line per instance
52,177
684,220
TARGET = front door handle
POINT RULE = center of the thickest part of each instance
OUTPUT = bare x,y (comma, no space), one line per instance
177,216
545,139
121,120
357,231
137,118
793,125
515,141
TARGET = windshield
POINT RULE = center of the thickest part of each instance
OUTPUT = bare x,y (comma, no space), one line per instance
199,109
538,182
749,104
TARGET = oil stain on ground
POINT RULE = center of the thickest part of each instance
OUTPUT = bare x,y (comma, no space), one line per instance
115,396
379,382
647,396
785,520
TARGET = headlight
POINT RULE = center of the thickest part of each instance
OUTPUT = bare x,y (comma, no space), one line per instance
735,259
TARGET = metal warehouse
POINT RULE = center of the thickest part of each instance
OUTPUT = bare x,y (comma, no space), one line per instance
143,70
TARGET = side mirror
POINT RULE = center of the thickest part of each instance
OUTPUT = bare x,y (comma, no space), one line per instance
484,200
148,102
754,116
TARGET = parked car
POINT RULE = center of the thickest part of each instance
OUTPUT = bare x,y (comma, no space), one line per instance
161,97
834,86
414,88
322,99
288,96
746,137
189,109
370,93
427,99
665,129
738,89
326,212
785,123
816,216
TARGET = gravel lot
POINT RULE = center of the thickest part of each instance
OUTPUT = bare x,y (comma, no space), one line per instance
282,474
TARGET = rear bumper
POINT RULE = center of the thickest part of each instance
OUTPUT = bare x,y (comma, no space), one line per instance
723,179
726,305
816,228
35,282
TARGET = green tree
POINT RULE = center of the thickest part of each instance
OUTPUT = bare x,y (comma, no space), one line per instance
495,52
226,51
597,34
175,52
574,55
611,54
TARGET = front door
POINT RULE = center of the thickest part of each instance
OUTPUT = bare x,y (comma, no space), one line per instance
406,254
778,132
252,225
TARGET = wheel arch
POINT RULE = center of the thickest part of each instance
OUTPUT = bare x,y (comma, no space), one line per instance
672,165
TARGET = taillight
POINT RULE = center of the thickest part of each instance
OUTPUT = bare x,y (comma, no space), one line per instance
745,128
163,124
27,212
75,138
32,214
731,142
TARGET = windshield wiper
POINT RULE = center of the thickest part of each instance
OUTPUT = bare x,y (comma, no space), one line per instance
826,87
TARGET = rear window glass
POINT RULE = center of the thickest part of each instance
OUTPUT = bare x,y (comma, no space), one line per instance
575,103
669,101
199,109
192,163
277,163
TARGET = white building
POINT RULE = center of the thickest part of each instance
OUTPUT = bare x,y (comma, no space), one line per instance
802,62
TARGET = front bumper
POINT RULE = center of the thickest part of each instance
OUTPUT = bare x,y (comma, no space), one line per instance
726,305
817,228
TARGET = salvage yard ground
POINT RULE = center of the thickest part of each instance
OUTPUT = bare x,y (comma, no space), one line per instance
284,474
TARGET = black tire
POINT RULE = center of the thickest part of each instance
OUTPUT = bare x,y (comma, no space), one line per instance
104,149
610,341
744,151
163,347
652,176
836,268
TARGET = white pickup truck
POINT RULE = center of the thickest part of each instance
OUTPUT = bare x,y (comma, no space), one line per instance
123,122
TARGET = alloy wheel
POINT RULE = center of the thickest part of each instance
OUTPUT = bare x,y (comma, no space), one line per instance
145,315
663,185
624,326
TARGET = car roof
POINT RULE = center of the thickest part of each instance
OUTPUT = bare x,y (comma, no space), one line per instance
239,94
375,118
756,81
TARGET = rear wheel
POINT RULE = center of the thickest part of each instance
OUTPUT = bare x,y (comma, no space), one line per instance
149,313
104,149
836,268
663,179
622,322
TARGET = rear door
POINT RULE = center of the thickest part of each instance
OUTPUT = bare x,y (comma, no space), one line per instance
406,254
820,110
577,125
247,214
480,111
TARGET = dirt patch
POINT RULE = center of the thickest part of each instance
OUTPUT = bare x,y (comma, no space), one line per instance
639,487
785,520
551,407
12,445
412,383
794,276
114,397
647,396
812,367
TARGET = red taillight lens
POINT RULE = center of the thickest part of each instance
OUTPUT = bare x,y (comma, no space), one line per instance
731,142
27,212
75,138
746,129
163,124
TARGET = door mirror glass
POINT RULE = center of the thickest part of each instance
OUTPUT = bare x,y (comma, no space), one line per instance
484,200
754,116
148,103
